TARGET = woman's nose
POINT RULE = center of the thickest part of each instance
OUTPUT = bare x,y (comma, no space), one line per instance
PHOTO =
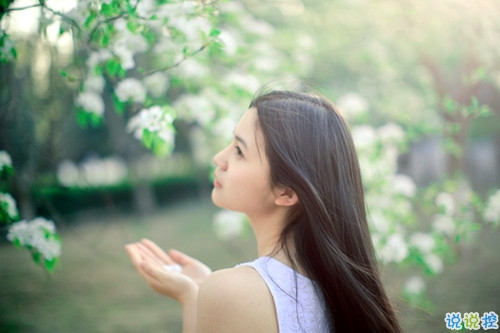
220,160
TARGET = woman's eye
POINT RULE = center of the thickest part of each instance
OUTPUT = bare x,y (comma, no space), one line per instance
238,151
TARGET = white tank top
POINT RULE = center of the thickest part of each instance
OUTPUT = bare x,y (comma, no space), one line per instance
297,299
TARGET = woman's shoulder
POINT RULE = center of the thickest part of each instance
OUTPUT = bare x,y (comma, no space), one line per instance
235,299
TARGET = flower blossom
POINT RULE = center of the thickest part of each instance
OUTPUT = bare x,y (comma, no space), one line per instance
394,250
94,83
156,84
446,201
415,285
5,160
38,234
156,120
90,102
8,204
492,211
422,241
353,104
131,89
391,133
404,185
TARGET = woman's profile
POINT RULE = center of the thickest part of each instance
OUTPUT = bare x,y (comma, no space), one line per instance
292,169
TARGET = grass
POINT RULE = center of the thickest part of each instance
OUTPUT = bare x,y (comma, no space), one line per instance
96,289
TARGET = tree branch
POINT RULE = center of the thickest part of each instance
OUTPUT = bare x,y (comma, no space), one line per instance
6,10
184,58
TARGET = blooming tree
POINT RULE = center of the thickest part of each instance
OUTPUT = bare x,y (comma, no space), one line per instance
154,63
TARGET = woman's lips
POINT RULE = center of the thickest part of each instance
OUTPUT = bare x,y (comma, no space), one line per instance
217,184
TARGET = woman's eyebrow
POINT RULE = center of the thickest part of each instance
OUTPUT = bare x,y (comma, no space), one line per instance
240,139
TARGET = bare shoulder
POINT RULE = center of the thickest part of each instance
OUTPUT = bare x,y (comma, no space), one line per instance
235,300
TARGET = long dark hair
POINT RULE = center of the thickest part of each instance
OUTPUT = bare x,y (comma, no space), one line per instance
310,150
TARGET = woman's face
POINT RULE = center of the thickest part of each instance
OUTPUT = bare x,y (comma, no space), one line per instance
242,177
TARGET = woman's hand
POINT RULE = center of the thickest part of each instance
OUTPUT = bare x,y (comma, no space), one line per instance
149,260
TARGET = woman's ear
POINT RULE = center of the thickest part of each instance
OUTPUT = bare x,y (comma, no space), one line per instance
285,197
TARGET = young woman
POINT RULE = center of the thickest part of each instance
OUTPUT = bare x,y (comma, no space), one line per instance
292,169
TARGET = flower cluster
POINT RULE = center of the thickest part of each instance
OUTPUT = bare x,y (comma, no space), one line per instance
40,237
155,127
5,163
8,209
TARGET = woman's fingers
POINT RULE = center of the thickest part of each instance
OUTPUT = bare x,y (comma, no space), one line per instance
156,250
180,257
134,254
151,256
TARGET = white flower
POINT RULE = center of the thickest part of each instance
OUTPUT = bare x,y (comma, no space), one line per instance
244,81
8,204
394,250
90,102
352,104
443,224
39,234
157,84
422,241
364,136
380,223
5,160
68,173
146,8
94,83
154,119
131,89
492,211
230,42
21,232
191,68
97,57
391,133
445,200
415,285
40,223
107,171
195,108
404,185
434,263
228,224
127,44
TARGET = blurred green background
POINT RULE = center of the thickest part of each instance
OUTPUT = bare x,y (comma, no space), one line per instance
432,67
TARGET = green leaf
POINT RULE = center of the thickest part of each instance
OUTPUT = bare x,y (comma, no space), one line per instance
147,138
160,148
36,257
449,104
132,25
119,105
90,19
214,33
50,264
85,119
